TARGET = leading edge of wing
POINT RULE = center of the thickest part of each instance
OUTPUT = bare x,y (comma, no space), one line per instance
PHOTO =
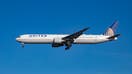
75,35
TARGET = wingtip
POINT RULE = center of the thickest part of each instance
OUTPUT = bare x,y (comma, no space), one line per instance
87,28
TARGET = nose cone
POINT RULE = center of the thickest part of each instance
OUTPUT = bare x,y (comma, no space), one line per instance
18,39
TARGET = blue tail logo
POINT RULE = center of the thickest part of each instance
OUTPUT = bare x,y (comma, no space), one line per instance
112,29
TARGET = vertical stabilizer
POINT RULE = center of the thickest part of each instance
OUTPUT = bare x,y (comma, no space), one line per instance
112,29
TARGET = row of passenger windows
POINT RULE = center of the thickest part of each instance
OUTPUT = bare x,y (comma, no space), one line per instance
37,35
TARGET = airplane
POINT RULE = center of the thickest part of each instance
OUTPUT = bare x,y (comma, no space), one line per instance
57,40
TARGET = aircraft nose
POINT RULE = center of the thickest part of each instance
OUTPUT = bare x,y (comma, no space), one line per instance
18,39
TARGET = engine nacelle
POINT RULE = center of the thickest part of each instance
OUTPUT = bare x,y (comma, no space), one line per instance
57,42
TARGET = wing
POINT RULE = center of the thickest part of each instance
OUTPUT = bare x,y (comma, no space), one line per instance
75,35
68,40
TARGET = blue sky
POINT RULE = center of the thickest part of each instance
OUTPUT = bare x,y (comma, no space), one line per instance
65,16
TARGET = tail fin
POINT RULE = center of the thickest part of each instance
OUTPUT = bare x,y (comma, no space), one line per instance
112,29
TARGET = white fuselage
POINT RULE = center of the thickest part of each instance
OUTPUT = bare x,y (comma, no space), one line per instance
50,38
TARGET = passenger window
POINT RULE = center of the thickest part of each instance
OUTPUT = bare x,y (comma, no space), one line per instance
45,35
42,35
30,35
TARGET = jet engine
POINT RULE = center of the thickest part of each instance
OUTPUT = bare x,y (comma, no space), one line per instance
57,42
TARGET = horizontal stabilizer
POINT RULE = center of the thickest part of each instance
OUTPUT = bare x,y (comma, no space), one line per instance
113,37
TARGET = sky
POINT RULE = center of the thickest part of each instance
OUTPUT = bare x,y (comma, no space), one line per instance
65,16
